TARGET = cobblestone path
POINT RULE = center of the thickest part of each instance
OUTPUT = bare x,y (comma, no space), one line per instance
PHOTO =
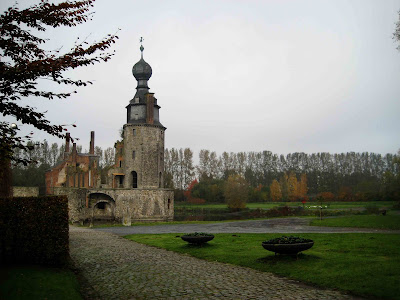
117,268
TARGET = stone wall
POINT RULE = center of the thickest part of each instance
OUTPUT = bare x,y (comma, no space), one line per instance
25,191
122,205
143,154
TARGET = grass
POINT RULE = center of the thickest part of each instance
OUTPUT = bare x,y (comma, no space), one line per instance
362,264
268,205
378,222
37,282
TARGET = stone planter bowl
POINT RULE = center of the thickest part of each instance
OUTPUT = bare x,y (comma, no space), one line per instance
288,248
197,239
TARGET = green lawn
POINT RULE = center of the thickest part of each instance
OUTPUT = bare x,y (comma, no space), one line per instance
268,205
363,264
35,282
378,222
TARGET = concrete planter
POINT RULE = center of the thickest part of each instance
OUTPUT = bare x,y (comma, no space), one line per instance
197,239
288,248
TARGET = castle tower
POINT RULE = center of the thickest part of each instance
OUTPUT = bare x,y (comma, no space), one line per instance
143,144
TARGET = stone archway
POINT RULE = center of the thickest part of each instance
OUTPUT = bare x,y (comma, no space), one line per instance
102,205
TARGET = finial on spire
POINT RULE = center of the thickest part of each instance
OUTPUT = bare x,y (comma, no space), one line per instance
141,45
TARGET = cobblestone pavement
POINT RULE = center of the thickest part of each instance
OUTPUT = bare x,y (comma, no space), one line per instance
273,225
117,268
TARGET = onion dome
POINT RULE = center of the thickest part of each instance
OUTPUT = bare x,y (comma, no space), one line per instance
142,70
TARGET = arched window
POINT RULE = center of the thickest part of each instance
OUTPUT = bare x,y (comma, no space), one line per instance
134,180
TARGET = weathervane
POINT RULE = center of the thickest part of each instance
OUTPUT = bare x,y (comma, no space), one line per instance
141,45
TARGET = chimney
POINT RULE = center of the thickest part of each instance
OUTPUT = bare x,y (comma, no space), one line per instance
74,152
91,151
67,139
150,108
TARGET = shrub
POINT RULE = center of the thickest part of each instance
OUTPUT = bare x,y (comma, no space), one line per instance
199,234
34,230
288,240
236,192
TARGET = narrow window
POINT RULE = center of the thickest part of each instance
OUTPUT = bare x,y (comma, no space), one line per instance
120,163
133,154
134,180
134,132
169,203
159,180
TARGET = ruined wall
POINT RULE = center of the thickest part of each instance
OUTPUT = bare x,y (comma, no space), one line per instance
25,191
125,205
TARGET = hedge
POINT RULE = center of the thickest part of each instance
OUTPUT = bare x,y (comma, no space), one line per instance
34,230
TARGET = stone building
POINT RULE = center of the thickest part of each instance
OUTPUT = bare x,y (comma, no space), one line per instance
132,189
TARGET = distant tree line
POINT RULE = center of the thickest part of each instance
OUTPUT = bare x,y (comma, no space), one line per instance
347,176
270,177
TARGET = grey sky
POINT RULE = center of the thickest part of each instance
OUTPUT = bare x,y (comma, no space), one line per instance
284,76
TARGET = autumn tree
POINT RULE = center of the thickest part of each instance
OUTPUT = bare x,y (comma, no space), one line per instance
25,61
275,191
292,186
236,192
283,182
302,188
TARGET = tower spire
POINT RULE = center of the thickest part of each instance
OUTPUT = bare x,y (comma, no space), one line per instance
141,46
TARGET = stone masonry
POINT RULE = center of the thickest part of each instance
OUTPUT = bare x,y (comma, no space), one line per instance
133,188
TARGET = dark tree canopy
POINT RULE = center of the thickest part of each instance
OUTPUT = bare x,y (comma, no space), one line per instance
24,61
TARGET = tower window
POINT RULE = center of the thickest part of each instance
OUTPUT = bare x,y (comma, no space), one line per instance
134,132
120,163
134,180
133,154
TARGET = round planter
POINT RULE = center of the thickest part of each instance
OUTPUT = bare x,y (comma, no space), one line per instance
288,248
197,239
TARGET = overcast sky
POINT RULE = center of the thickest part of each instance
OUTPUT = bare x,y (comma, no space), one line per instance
283,76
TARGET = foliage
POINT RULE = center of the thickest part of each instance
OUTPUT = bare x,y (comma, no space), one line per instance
38,282
236,192
283,182
34,230
258,194
211,190
199,234
275,189
179,169
25,61
350,262
326,196
188,194
287,240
